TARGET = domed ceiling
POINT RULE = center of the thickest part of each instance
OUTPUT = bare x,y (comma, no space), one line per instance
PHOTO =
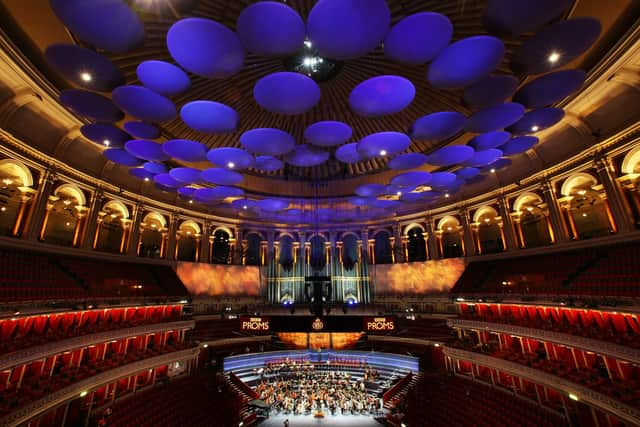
228,103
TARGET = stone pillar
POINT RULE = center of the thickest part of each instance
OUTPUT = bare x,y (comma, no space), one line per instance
264,251
271,236
432,240
204,243
558,226
392,242
364,245
25,198
372,250
467,235
81,218
618,203
510,244
134,234
399,253
173,237
45,219
92,219
39,208
239,249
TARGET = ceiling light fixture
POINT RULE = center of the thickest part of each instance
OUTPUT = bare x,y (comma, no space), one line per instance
7,182
446,195
106,142
399,193
3,209
86,77
244,207
383,152
231,165
553,57
190,201
492,170
535,128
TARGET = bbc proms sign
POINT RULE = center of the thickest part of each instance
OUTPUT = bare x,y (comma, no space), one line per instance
379,324
255,324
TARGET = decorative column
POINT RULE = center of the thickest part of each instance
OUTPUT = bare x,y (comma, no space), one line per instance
176,246
244,247
517,221
134,234
25,198
425,238
568,215
49,207
618,203
399,252
127,225
475,231
364,246
240,242
372,250
467,236
232,250
39,208
204,243
96,234
91,223
81,217
164,234
432,240
171,244
405,247
392,242
558,226
264,250
511,243
198,238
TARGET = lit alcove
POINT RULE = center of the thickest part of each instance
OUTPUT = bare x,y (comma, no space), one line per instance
349,251
450,237
187,242
16,192
254,247
110,233
416,244
586,207
382,247
220,247
630,181
318,258
531,221
152,236
65,216
488,230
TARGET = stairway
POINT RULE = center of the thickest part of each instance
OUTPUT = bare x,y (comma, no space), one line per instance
402,391
68,272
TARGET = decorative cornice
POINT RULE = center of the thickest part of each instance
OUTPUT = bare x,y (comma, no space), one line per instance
402,340
584,394
56,398
39,352
596,346
233,341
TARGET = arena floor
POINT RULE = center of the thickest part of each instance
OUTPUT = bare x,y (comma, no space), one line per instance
309,421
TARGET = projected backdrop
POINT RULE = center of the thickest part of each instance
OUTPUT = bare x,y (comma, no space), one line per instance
219,279
416,277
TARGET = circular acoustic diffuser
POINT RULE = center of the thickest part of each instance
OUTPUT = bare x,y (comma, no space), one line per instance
186,175
243,204
348,29
450,155
163,78
327,133
166,180
411,179
185,150
537,120
146,150
272,205
382,95
205,47
550,88
286,93
208,195
270,28
556,45
465,62
155,168
370,190
383,144
105,134
121,157
508,17
467,172
442,180
267,141
209,117
186,192
494,118
143,103
142,130
418,38
490,91
518,145
484,157
230,158
360,201
490,140
106,24
407,161
84,67
306,156
348,153
91,105
438,126
268,164
220,176
141,173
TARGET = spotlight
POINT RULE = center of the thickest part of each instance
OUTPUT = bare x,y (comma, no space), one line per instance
3,209
399,193
107,142
231,165
446,195
146,178
307,43
535,128
383,152
190,202
573,397
307,61
86,77
492,170
84,393
553,57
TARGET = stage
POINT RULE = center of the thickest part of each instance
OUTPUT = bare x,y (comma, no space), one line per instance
330,420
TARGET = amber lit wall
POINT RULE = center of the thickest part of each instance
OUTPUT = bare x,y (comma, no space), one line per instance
219,279
320,340
416,278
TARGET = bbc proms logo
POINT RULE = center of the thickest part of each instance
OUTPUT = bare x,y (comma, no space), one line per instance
380,324
255,324
317,324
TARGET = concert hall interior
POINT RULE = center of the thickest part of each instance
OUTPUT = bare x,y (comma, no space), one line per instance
301,213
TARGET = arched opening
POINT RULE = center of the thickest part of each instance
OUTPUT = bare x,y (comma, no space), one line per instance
450,237
110,234
349,251
416,245
220,247
631,179
63,219
15,193
254,245
152,236
187,244
382,247
318,258
488,231
532,225
585,207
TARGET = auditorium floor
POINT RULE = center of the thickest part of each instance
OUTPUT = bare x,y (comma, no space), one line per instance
309,421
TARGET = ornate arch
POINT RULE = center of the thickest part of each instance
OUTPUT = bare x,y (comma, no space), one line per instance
631,161
118,206
256,232
190,224
155,216
17,169
223,228
526,198
484,210
449,219
412,225
580,179
378,231
72,190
